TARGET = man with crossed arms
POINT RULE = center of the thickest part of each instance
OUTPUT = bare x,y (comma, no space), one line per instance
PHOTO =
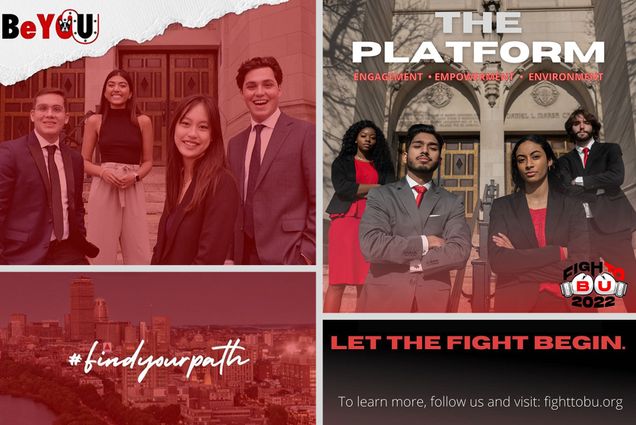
413,232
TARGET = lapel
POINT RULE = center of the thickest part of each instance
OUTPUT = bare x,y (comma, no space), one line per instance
70,177
38,157
556,208
279,135
242,139
575,159
406,198
179,214
522,212
351,167
431,197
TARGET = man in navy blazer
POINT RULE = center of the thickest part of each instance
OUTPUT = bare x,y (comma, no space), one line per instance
274,162
595,172
41,182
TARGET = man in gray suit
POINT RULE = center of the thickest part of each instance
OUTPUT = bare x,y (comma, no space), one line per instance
413,233
274,163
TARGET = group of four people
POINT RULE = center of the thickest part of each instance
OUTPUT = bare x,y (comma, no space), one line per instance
397,241
218,209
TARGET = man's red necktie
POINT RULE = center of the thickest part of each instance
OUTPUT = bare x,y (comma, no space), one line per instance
586,152
421,190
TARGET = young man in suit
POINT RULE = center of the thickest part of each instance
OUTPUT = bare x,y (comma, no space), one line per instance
595,173
41,182
413,233
274,162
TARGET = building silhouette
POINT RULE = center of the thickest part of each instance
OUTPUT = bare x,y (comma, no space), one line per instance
17,326
101,310
82,318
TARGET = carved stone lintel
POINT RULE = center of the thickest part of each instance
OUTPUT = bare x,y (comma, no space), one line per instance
438,95
491,92
491,88
544,93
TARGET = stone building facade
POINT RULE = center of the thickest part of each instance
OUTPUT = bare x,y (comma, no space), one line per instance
480,120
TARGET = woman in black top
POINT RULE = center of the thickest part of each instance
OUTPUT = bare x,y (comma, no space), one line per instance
202,198
364,162
535,233
116,203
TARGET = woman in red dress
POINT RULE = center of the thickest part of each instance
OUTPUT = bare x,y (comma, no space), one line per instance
364,162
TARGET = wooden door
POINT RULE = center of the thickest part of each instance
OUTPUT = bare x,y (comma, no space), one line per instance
162,80
16,101
460,170
69,77
192,73
150,85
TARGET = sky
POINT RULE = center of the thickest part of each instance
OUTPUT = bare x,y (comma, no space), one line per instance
187,298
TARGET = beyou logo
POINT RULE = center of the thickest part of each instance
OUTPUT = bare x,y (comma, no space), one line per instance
70,24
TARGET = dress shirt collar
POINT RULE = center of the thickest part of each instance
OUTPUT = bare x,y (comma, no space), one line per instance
412,183
44,143
588,145
269,122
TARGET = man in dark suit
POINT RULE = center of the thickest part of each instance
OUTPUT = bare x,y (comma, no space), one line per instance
413,233
274,162
596,172
41,182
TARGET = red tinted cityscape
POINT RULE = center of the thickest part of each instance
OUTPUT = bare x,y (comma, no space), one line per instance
277,385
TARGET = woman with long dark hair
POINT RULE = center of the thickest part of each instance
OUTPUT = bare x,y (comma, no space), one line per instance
202,198
364,162
116,203
535,232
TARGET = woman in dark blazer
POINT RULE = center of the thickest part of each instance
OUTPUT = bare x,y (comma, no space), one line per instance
202,198
535,233
364,162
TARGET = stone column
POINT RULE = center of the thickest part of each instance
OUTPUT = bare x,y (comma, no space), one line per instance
371,95
615,24
491,145
491,135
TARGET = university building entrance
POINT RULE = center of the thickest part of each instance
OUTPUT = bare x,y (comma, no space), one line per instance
160,81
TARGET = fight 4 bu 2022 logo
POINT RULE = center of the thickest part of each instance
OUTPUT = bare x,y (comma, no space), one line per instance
70,24
589,286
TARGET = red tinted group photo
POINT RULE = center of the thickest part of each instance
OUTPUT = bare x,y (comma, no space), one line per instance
164,155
